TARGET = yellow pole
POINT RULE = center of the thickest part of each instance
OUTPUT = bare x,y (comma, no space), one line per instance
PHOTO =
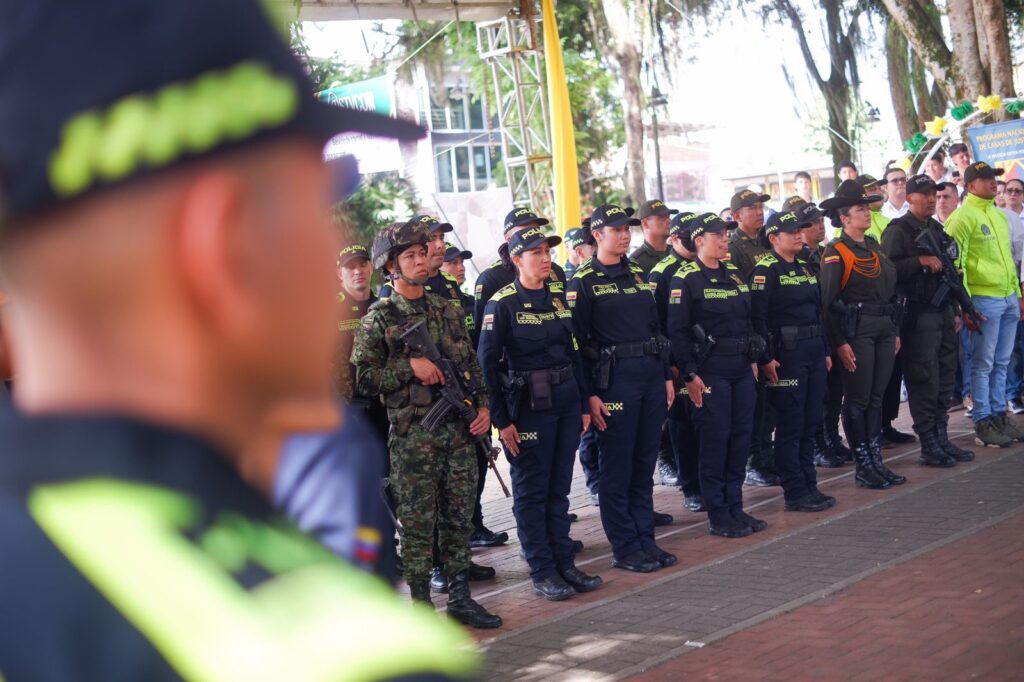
563,140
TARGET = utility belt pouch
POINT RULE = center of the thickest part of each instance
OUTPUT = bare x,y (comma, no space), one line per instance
540,391
756,347
789,335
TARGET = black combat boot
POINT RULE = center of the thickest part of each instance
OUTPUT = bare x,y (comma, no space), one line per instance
832,440
824,456
932,454
866,476
420,592
950,448
462,608
873,424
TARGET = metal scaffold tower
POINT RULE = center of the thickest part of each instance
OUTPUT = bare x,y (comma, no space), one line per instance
511,46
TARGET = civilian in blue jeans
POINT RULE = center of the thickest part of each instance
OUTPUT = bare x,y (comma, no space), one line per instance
982,234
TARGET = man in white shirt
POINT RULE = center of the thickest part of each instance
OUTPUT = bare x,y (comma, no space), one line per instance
895,182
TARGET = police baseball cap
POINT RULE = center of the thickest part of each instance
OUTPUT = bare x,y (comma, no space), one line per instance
919,184
746,197
431,224
709,223
146,86
574,237
531,239
654,207
451,252
980,169
610,215
518,217
681,223
792,202
783,221
352,252
807,213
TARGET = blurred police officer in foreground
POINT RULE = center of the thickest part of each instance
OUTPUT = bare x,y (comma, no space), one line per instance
929,333
786,310
617,322
192,170
714,348
654,218
433,472
540,404
858,297
681,430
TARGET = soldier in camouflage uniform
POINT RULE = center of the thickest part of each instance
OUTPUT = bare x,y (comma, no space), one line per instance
433,474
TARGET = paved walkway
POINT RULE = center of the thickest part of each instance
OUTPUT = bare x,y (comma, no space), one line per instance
923,579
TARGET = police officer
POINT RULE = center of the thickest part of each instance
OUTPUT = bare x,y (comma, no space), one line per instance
617,322
745,249
579,250
654,218
929,332
540,405
680,427
455,265
714,348
502,272
438,281
858,298
124,514
829,450
433,473
786,310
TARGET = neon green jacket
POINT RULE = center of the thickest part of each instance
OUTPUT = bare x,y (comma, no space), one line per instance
878,224
983,235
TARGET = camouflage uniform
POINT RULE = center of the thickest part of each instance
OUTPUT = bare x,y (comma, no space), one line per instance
433,475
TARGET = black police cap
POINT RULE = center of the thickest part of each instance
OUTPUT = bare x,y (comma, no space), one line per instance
681,223
980,169
807,213
919,184
531,239
518,217
710,223
610,215
451,252
145,86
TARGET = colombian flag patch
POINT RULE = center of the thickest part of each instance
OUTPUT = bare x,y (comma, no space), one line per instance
831,259
489,318
675,293
570,295
759,279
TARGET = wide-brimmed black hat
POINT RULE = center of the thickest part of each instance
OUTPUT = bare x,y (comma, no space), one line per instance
531,239
849,193
144,87
611,215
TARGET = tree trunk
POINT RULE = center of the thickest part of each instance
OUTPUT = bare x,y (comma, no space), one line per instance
979,30
625,31
1001,74
967,69
926,39
919,84
900,81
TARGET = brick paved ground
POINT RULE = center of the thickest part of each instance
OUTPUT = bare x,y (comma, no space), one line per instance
729,587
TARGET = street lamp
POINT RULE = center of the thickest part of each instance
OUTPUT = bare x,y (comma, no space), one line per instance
657,100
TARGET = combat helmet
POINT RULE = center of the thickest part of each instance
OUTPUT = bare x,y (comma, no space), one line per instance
394,238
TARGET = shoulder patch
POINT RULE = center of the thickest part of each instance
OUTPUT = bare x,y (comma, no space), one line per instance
665,262
450,277
583,271
504,292
767,259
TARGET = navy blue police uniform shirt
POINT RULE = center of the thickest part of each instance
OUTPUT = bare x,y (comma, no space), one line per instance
499,275
530,330
716,299
612,305
659,279
783,294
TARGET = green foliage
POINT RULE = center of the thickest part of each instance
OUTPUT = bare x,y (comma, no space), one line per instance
382,199
330,71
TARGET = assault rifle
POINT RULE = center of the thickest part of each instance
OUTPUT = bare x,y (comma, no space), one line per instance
454,392
950,282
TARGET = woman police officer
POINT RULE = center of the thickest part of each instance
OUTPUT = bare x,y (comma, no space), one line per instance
538,407
617,324
858,299
786,310
714,347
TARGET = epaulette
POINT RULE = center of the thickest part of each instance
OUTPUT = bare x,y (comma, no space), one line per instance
729,266
635,267
767,260
504,292
687,269
450,277
495,264
668,260
583,270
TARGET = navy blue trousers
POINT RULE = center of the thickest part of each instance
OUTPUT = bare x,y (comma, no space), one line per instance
628,449
797,400
725,424
541,478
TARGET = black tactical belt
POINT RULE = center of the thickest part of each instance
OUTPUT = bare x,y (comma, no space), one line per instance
812,331
734,346
558,375
636,350
876,309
